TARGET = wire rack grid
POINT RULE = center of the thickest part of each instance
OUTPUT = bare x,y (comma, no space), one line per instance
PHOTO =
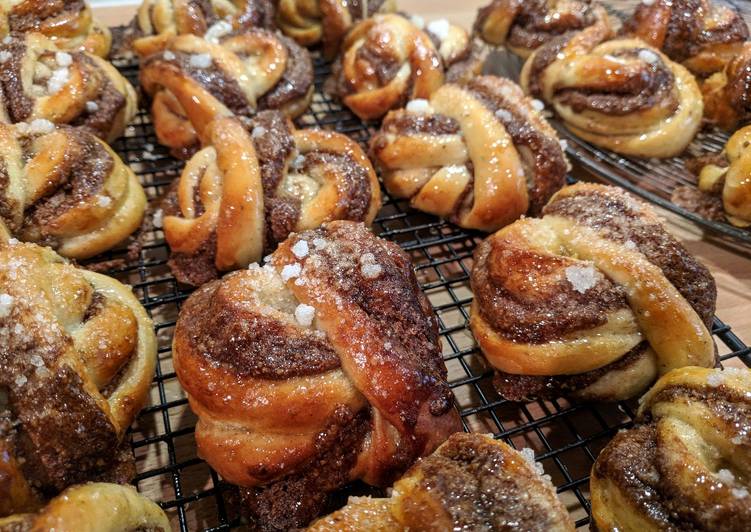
566,437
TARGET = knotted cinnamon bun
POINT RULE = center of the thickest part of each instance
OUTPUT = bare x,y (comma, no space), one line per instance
312,21
322,367
38,80
593,300
65,188
621,95
240,75
243,194
727,94
157,21
93,507
686,465
478,154
523,26
701,34
471,482
69,24
387,60
77,353
726,176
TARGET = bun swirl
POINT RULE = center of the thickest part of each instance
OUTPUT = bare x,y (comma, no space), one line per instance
93,507
727,177
686,465
241,195
70,24
243,74
621,95
78,354
158,21
312,21
466,484
702,35
39,80
477,154
605,302
386,60
524,26
63,187
318,369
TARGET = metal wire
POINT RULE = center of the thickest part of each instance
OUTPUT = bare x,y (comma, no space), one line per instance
566,437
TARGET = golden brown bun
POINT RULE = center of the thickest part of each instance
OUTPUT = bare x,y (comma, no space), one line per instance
387,60
78,355
471,482
93,507
69,24
727,94
594,299
42,82
192,81
312,21
158,21
67,189
245,192
477,154
727,176
318,369
622,94
703,35
523,26
686,465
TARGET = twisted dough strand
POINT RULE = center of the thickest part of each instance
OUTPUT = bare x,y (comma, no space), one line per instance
321,368
39,81
194,81
78,355
524,26
242,194
621,95
478,154
67,189
592,317
328,21
471,482
686,466
93,507
69,24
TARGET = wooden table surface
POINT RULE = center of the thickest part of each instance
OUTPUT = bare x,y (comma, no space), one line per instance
731,266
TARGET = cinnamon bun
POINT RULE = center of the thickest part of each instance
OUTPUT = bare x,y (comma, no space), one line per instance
701,34
594,300
478,154
93,507
471,482
69,24
524,26
40,81
65,188
621,94
157,21
387,60
326,21
78,354
727,177
322,367
244,193
686,465
727,94
238,75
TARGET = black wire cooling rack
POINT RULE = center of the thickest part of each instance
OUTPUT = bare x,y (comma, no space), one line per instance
566,437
